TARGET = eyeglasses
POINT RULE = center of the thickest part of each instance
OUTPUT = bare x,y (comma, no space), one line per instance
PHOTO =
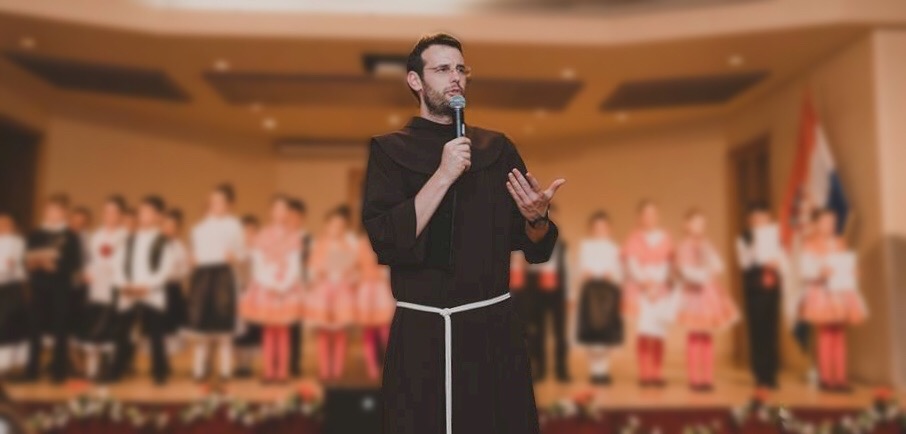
466,71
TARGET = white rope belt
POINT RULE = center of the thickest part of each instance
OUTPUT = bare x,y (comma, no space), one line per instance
448,341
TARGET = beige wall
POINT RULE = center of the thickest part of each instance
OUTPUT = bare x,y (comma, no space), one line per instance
843,90
91,161
322,183
890,68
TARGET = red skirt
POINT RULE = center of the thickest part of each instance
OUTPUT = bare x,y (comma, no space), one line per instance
821,306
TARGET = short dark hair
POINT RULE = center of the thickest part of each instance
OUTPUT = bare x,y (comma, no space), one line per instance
175,214
644,203
227,190
249,220
59,199
819,212
416,63
342,211
117,200
694,212
297,205
758,206
598,215
156,202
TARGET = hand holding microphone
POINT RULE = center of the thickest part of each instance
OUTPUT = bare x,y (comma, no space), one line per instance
457,155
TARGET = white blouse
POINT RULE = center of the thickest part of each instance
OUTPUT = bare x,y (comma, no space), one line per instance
12,252
216,238
599,257
104,245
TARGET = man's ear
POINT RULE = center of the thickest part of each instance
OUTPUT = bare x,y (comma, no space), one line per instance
415,82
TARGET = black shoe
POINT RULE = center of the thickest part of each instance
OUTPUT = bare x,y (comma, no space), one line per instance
563,377
160,381
659,383
537,377
243,372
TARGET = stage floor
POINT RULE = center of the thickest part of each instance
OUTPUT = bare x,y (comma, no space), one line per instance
734,386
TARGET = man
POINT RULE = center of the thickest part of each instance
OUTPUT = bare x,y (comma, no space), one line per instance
445,214
54,261
297,222
762,260
142,269
547,286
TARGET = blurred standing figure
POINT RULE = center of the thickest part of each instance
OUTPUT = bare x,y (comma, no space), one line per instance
99,315
54,261
705,306
13,307
649,259
762,260
217,245
330,303
832,301
600,321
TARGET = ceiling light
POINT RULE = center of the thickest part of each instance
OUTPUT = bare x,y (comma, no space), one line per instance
269,123
27,42
622,117
568,73
394,120
221,65
736,60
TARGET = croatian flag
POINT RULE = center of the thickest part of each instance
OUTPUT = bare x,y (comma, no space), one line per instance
814,178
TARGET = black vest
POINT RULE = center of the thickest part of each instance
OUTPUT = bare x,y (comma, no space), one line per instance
157,252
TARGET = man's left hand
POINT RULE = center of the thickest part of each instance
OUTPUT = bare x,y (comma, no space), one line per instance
530,198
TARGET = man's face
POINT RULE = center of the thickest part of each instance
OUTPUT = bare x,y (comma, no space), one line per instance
441,79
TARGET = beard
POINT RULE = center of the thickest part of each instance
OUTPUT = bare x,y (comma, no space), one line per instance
436,102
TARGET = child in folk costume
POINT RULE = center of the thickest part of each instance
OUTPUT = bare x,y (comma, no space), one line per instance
375,305
142,267
330,304
600,323
54,260
217,244
99,316
248,340
832,300
13,308
274,298
648,254
177,309
705,306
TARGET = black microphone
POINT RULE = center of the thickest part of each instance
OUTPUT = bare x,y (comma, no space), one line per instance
458,103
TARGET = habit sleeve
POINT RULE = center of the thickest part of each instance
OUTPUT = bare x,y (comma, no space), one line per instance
535,253
388,213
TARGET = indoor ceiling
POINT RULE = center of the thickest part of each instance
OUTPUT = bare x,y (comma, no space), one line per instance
271,88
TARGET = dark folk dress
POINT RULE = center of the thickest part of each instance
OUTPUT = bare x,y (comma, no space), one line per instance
462,256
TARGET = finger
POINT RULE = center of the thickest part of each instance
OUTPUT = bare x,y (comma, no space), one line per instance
524,183
517,195
534,182
524,198
554,187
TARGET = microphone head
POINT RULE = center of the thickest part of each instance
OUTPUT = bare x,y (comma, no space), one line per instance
458,102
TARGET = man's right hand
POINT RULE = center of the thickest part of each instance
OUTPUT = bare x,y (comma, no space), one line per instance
456,159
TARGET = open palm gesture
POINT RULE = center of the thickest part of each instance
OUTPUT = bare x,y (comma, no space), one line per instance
530,198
